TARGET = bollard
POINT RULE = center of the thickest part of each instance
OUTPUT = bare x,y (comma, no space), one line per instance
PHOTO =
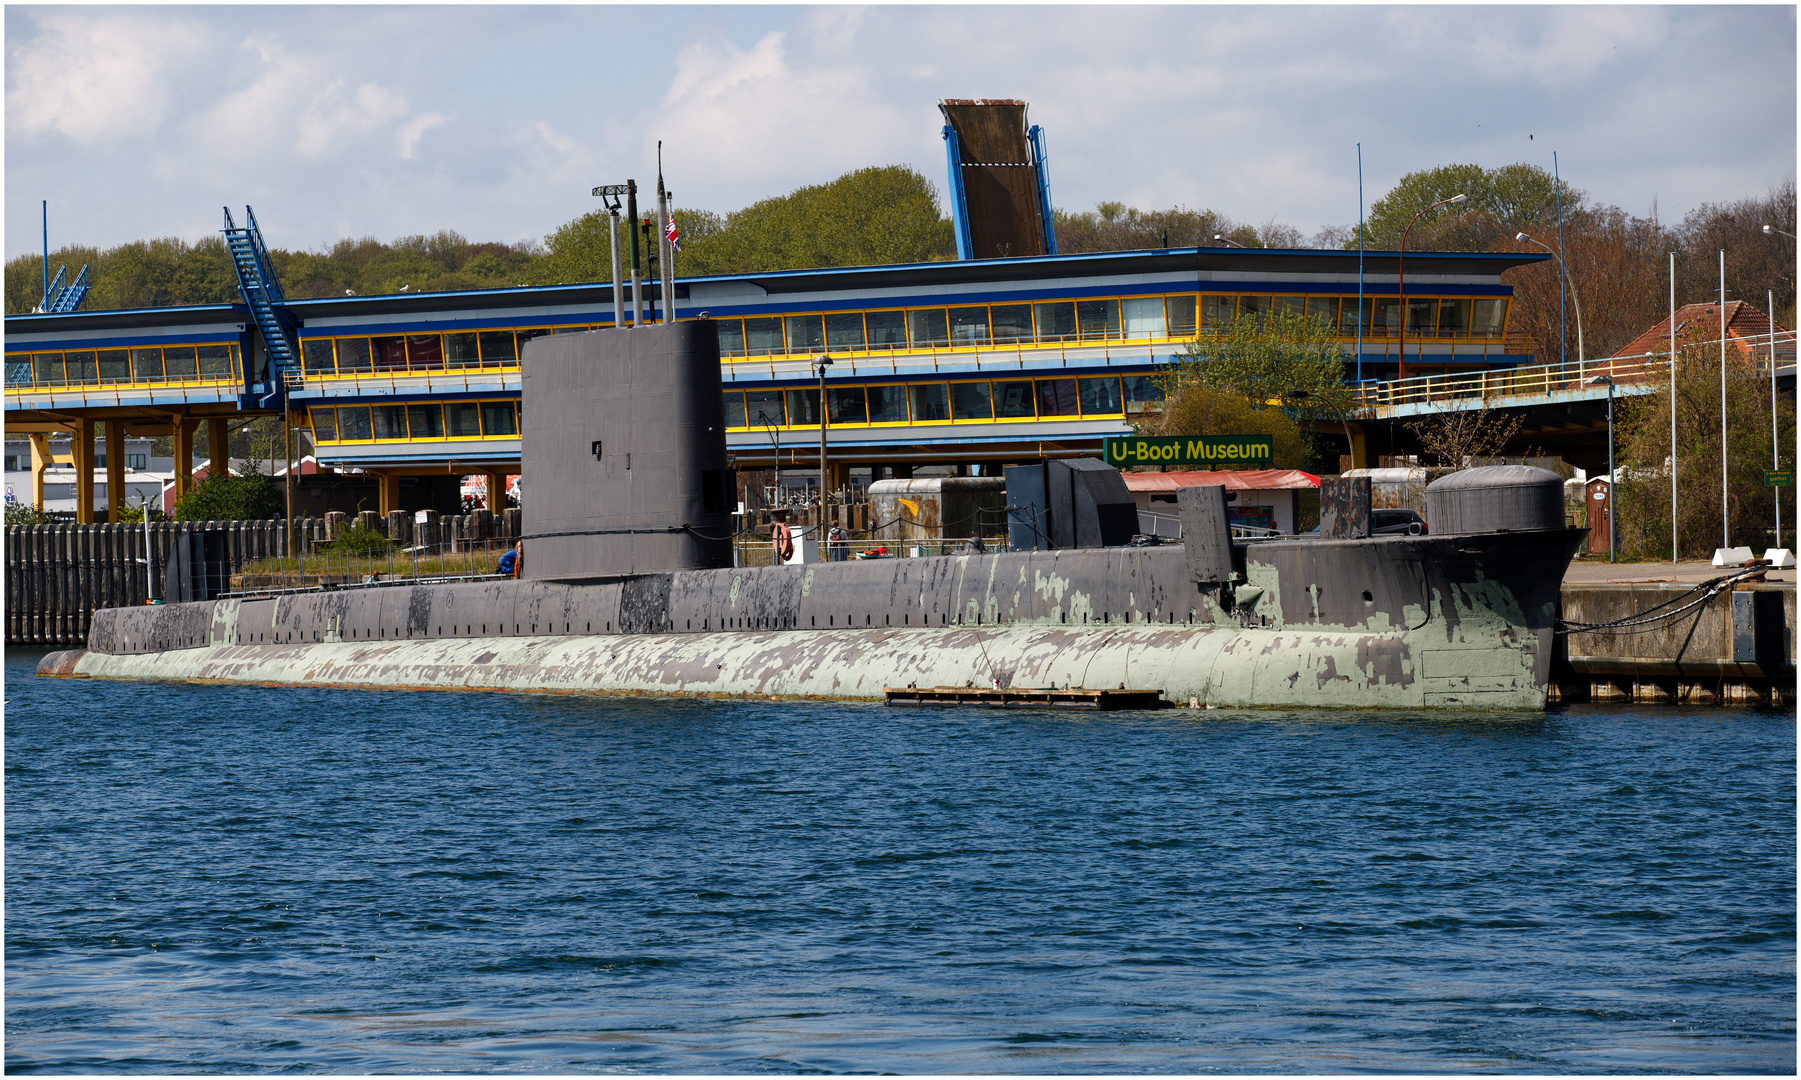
335,523
397,526
425,529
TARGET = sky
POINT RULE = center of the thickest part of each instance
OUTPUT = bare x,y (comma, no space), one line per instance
496,121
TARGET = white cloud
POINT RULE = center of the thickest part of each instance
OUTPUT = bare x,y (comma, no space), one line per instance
753,117
414,130
94,80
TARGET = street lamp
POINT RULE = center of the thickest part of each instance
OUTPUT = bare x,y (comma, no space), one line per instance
1223,240
775,441
1401,274
820,363
1524,239
1613,483
1771,229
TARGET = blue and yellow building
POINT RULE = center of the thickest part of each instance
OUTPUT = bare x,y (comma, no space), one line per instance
971,362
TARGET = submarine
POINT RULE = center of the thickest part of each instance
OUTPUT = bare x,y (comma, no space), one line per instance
628,585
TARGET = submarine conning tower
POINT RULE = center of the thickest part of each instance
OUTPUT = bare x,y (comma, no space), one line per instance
625,445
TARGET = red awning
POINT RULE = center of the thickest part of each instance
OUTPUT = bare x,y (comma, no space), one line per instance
1233,479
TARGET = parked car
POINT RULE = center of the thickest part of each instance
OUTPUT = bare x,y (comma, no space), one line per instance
1390,523
1396,523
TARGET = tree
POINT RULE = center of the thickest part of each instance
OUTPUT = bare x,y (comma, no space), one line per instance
1288,363
1196,409
1450,439
1755,262
1642,495
250,497
1500,202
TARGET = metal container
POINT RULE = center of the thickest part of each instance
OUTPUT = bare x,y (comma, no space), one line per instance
1495,498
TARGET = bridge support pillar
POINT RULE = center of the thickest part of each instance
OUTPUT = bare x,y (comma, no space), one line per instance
218,446
40,461
184,454
115,470
1360,453
387,493
497,491
81,449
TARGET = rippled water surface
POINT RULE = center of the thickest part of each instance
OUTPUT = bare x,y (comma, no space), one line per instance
218,878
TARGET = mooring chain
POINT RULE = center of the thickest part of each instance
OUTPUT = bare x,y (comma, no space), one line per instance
1650,619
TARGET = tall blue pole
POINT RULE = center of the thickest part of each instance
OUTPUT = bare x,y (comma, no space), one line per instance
46,250
1359,264
1563,334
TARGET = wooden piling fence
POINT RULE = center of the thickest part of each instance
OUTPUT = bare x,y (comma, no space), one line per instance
57,576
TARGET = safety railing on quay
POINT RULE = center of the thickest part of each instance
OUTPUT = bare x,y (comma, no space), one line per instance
1536,380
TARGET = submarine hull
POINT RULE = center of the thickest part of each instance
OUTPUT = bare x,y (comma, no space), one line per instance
1459,622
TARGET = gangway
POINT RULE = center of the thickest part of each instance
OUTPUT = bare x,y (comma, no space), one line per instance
61,299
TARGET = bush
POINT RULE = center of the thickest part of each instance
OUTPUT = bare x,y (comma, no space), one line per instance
250,497
357,540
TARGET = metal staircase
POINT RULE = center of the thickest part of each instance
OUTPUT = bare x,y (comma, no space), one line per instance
261,292
61,299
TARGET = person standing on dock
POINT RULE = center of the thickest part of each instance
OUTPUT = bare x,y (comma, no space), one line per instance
838,543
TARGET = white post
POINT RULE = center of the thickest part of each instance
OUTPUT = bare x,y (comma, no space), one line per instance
1775,445
1675,547
618,269
1725,522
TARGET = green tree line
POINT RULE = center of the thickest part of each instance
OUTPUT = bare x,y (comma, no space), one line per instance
1617,261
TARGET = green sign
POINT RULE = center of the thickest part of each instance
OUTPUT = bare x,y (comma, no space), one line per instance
1211,450
1779,478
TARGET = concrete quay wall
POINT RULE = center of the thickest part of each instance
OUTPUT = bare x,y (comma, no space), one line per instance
1695,657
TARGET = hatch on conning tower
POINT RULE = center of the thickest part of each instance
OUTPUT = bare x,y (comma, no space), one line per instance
1495,498
1000,193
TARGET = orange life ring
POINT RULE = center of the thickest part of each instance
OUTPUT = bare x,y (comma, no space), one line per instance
784,542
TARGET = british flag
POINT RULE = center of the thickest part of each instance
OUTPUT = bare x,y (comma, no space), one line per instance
674,237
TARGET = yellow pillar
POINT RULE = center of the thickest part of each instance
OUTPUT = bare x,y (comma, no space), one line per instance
184,455
388,492
40,461
82,451
1359,447
218,445
115,470
497,491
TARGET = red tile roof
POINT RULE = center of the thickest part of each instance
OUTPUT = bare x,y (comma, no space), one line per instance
1745,325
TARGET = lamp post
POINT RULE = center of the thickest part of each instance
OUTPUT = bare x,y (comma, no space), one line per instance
1223,240
775,442
1401,274
1571,285
1613,482
610,195
820,363
1768,230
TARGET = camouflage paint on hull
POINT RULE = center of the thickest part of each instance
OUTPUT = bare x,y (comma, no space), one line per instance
1457,622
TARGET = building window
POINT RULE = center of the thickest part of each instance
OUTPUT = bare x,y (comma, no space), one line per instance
12,463
137,461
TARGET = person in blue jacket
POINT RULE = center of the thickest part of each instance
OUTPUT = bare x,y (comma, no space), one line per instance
510,563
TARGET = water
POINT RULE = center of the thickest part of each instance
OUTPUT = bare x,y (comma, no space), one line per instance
237,879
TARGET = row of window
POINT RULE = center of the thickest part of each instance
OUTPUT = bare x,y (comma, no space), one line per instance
1075,321
901,403
173,363
422,352
426,420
